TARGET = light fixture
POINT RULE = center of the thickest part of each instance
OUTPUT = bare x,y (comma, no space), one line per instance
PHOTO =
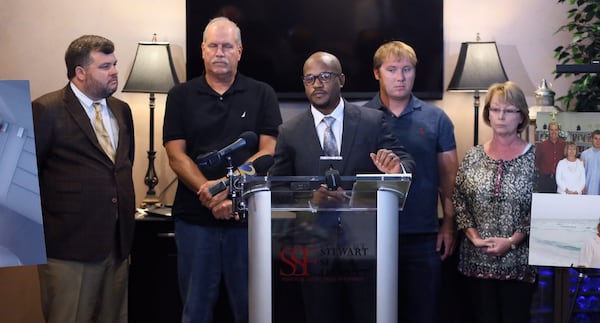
478,67
152,72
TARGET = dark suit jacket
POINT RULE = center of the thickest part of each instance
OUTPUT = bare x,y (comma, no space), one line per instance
365,131
88,203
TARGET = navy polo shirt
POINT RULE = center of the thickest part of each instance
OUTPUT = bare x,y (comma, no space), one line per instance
425,130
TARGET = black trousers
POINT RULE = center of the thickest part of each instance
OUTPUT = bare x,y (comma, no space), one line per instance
546,183
500,301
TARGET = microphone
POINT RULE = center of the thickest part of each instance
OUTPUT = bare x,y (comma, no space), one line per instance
212,158
244,169
332,179
247,169
330,165
259,167
218,188
262,164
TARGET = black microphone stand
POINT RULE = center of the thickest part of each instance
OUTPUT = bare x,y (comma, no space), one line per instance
231,179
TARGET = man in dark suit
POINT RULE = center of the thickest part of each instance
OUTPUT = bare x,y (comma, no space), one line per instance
363,139
85,145
366,145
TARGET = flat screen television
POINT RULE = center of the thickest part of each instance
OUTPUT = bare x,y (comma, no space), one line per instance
278,36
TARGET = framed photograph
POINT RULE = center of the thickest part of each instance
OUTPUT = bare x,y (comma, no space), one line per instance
561,226
565,219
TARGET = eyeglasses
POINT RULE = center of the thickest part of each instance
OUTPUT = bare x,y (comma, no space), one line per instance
507,111
324,77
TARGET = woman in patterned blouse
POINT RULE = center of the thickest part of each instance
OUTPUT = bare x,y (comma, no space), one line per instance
492,202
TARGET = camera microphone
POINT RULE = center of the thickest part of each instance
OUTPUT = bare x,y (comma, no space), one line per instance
259,167
248,138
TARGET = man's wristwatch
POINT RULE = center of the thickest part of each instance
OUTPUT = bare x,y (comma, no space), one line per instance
513,246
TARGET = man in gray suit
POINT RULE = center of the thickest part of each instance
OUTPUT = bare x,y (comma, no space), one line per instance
84,143
366,145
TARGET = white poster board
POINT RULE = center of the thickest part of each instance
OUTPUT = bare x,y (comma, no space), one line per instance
21,229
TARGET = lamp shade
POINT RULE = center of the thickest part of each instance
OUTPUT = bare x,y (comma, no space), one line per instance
478,67
153,70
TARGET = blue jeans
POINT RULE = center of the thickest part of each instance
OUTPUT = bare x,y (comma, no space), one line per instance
419,278
204,255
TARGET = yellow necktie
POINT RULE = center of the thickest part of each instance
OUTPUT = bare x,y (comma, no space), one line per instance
102,134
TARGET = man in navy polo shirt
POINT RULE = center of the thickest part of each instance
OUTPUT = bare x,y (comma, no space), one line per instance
428,135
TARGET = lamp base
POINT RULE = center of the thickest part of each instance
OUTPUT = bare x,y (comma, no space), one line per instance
150,200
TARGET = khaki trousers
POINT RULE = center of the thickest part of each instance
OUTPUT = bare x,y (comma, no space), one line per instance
82,292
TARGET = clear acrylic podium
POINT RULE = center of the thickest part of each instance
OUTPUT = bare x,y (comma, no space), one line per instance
308,238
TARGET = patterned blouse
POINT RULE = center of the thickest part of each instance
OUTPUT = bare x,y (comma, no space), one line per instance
494,197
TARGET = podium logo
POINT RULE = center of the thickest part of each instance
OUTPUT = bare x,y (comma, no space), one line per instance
295,261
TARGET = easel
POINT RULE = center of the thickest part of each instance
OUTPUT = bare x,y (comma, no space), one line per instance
582,272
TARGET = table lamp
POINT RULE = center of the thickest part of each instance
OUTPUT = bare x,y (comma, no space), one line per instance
152,72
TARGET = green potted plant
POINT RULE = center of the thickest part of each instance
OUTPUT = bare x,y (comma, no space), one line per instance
584,48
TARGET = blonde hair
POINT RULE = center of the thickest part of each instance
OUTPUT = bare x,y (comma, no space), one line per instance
394,48
508,92
571,144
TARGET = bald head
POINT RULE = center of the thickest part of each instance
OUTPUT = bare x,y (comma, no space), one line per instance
324,59
223,22
323,81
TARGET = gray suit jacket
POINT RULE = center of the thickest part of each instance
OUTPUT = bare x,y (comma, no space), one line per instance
365,131
88,203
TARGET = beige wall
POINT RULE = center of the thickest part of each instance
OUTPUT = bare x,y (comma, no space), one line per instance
34,35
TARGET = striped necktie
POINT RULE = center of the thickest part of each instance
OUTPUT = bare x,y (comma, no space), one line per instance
329,143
